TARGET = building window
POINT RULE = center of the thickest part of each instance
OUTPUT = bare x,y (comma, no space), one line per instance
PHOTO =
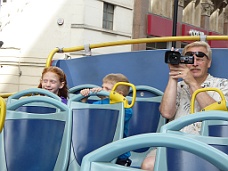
156,45
183,44
108,13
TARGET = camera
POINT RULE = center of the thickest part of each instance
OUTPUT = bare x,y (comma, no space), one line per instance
175,58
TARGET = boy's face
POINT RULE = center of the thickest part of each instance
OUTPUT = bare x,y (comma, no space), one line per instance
107,86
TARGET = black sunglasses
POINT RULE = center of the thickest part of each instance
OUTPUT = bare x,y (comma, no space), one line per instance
198,54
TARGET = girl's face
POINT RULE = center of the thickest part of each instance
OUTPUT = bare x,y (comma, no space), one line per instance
50,82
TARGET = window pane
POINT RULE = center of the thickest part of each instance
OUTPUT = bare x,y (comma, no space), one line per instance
110,8
109,17
105,7
108,13
109,25
157,45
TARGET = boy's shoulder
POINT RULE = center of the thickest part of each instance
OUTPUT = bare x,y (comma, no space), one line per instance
103,101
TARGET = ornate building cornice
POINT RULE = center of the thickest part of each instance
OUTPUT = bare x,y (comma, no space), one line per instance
226,15
181,3
207,7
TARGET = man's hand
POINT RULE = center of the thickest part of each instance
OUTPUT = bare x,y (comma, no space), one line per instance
181,71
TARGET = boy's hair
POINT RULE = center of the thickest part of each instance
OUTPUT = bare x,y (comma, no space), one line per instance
199,44
115,78
63,92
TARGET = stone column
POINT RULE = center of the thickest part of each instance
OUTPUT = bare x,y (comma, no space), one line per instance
225,30
207,8
179,20
139,27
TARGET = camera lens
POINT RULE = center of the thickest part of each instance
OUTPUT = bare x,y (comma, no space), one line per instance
172,57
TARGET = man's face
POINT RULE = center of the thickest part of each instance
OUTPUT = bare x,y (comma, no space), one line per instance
201,64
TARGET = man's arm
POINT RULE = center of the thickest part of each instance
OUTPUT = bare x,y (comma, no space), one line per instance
168,103
203,98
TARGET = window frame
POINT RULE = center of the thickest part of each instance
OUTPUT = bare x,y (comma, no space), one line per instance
108,16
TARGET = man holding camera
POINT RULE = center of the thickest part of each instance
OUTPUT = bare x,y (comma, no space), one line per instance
177,96
194,76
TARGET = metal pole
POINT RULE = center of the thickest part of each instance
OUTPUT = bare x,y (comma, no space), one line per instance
175,13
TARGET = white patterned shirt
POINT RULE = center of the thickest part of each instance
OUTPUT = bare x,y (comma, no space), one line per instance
183,100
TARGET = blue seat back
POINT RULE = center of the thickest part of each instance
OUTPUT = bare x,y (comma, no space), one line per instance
92,128
146,118
31,92
215,128
39,108
218,130
146,111
190,161
36,156
94,125
100,159
32,142
186,159
76,89
166,156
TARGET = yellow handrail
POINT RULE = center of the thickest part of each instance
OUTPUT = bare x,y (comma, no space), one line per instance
221,105
2,113
6,95
116,97
126,42
132,41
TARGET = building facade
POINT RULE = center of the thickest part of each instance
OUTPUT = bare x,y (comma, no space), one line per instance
194,17
30,30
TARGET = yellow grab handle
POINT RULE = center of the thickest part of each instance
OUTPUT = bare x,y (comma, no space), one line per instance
116,97
2,113
221,105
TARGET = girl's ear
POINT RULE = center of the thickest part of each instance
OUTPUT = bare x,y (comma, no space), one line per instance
61,85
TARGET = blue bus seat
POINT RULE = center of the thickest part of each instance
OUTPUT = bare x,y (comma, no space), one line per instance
148,98
94,125
216,128
40,107
34,142
76,90
166,157
31,92
146,118
100,159
146,91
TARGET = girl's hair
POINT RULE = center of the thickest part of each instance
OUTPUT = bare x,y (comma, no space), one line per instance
115,78
199,44
63,92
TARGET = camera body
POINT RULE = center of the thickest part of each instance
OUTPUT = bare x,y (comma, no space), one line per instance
175,58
